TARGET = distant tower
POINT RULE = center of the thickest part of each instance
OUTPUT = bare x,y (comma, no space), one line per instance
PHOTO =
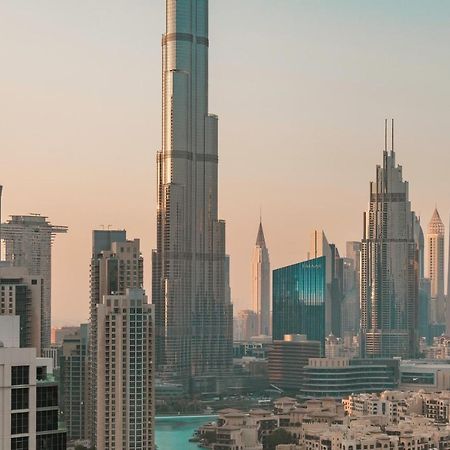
435,267
28,243
448,286
261,283
389,266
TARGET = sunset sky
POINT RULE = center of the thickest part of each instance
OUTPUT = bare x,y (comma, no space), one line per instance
301,88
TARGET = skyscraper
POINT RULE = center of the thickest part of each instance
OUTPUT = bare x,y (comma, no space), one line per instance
389,266
435,256
193,311
447,312
21,295
116,265
28,242
72,360
125,408
261,283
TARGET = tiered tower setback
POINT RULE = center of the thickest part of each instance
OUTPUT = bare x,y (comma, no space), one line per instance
193,311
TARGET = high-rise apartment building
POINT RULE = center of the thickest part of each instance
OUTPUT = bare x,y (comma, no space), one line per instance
21,295
389,266
435,271
193,310
28,243
125,407
350,304
116,265
261,283
29,409
73,382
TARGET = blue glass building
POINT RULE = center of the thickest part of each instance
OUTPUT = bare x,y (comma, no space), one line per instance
299,298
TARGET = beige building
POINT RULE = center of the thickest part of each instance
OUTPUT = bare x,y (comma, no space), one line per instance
261,284
125,406
21,294
435,251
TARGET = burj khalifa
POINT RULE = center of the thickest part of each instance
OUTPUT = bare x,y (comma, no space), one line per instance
190,285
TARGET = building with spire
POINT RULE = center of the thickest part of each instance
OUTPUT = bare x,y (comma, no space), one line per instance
261,283
389,265
447,312
190,286
435,272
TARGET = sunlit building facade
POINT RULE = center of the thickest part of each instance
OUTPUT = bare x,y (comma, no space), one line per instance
190,286
261,283
389,267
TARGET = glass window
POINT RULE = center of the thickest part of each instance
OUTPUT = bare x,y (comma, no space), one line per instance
19,443
19,423
20,375
19,398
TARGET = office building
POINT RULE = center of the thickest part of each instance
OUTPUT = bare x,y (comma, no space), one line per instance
288,357
193,310
28,244
340,377
435,256
116,265
21,294
125,407
73,382
350,302
299,296
261,283
29,399
389,266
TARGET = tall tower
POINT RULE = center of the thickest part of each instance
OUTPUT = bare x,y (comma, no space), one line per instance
116,265
447,312
389,266
435,266
261,283
28,243
193,311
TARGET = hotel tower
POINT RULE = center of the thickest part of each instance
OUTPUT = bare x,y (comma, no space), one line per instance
389,266
193,311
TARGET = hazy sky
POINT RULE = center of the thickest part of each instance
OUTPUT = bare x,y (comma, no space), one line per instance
301,88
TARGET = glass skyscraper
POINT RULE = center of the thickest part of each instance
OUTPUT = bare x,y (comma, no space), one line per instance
299,299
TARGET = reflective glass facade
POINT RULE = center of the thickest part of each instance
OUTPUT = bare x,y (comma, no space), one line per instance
299,293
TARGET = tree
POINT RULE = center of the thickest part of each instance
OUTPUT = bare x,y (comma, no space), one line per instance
279,436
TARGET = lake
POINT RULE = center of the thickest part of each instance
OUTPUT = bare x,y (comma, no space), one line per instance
174,432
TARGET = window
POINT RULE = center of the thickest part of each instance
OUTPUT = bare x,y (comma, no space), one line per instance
19,423
19,398
20,375
47,396
47,420
19,443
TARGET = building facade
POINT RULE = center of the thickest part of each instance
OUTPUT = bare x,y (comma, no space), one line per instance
261,283
299,300
340,377
191,294
125,405
435,272
73,382
116,265
245,325
288,357
29,401
21,294
389,267
28,244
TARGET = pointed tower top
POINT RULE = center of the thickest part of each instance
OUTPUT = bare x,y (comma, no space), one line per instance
260,241
436,226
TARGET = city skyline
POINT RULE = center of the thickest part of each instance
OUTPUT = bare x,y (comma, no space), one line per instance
329,144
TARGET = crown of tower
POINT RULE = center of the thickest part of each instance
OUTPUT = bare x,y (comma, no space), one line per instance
260,240
436,226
